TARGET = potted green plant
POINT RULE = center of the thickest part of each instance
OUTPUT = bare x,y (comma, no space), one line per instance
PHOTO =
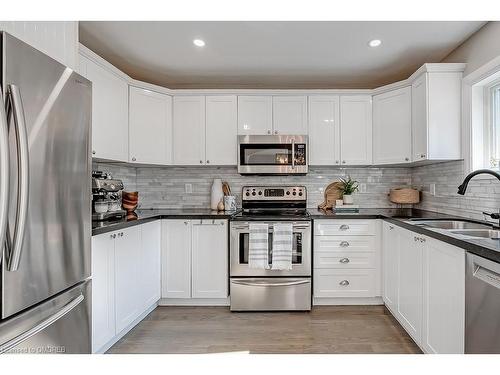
348,187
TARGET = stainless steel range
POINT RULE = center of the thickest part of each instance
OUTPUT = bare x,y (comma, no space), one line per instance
268,289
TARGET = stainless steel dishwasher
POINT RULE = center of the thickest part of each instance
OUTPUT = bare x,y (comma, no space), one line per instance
482,305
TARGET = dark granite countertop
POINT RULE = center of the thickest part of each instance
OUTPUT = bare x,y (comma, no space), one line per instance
487,248
146,215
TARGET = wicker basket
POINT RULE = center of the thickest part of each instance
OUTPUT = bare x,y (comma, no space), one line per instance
404,196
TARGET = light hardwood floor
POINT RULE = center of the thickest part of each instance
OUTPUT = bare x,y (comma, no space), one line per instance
326,329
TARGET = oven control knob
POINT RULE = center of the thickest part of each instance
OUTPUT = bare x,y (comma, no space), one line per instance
247,194
287,193
253,193
300,193
260,192
294,193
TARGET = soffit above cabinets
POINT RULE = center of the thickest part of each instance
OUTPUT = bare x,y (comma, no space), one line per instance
279,55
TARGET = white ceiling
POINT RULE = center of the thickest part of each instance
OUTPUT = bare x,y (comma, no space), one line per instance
272,54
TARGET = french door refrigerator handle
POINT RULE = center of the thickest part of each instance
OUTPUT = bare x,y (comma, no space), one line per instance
23,185
4,174
42,325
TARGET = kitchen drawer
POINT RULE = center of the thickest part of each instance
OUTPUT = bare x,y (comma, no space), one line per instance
344,283
344,227
344,259
345,243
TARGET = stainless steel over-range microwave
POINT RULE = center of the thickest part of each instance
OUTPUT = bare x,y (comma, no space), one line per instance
272,154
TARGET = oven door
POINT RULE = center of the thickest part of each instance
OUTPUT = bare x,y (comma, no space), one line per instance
272,154
301,256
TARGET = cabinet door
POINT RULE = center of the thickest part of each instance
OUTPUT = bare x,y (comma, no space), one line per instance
444,298
255,114
356,130
324,130
150,264
419,118
410,283
150,127
109,112
290,115
210,259
127,265
176,259
392,127
390,240
103,290
221,130
189,130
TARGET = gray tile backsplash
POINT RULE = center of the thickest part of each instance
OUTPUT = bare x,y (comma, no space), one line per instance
482,194
164,187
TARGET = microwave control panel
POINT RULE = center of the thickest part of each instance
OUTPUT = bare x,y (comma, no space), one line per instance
300,154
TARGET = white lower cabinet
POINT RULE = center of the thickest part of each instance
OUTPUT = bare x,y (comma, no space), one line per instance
424,288
125,280
103,290
346,261
443,328
194,259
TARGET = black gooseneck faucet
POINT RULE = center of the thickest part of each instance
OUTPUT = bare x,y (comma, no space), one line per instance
462,188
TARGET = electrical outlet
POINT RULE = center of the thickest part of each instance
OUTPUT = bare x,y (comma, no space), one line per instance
362,188
432,189
188,188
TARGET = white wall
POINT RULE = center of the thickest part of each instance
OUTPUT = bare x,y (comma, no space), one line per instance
480,48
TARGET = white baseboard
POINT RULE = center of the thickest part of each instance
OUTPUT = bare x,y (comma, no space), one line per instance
346,301
126,330
194,302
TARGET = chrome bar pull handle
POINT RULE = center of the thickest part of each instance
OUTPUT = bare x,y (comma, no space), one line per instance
344,282
4,174
344,244
344,227
344,260
23,184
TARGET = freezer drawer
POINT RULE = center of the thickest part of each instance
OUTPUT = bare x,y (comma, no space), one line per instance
60,325
268,294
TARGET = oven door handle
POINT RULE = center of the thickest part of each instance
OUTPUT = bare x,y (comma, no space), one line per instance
266,284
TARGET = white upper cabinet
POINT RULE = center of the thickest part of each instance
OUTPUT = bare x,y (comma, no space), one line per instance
150,127
189,130
255,115
290,115
58,39
392,127
221,130
209,259
443,298
109,111
436,114
356,129
324,130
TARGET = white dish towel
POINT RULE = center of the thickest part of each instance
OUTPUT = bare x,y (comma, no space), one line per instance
282,246
258,246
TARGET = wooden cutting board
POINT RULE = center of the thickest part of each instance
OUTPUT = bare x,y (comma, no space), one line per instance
332,193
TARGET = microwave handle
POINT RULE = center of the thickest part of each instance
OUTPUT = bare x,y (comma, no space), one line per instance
293,153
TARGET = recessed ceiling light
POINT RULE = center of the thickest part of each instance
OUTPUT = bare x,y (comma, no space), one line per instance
199,43
375,43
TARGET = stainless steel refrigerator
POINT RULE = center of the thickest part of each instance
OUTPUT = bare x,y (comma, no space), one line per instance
45,227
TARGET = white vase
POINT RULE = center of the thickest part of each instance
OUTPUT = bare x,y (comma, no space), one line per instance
348,199
217,194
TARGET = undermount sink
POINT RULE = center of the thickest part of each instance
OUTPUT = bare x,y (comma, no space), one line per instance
451,224
480,233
